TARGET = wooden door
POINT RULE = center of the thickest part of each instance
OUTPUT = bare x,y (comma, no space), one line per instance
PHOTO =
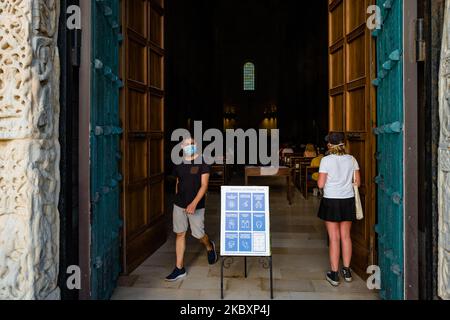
352,109
142,106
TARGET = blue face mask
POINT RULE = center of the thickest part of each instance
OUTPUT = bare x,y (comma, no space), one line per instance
190,150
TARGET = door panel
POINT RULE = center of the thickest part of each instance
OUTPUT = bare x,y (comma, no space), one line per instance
390,151
105,177
352,107
142,109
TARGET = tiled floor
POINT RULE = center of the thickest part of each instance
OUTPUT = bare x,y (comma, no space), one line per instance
300,260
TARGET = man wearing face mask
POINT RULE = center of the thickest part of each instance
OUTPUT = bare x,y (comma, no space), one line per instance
189,206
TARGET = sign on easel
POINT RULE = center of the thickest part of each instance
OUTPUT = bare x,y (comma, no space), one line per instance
245,223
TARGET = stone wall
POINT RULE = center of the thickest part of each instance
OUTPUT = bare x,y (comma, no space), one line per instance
29,149
444,163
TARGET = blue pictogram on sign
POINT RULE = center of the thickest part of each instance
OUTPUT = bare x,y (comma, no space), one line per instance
231,202
259,202
245,242
245,202
259,222
245,222
231,242
231,221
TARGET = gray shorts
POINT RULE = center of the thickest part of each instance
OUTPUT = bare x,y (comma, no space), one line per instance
182,220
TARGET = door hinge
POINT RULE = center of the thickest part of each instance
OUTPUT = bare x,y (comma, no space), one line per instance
421,45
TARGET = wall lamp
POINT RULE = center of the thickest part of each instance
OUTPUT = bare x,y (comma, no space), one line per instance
230,113
271,112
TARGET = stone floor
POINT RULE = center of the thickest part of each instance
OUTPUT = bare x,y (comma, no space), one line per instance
300,260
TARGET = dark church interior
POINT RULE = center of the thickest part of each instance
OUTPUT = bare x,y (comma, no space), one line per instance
209,41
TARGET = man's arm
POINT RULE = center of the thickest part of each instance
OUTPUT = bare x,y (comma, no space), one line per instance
201,193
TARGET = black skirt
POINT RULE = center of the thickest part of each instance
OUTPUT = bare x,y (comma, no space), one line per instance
337,210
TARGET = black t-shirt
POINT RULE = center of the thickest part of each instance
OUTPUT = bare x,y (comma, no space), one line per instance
189,183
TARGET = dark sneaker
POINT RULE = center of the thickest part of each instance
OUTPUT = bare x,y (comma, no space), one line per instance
333,278
347,274
212,255
177,274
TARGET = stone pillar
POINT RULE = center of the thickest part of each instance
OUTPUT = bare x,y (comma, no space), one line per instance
444,163
29,149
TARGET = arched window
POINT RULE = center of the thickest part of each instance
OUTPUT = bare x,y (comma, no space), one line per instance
249,76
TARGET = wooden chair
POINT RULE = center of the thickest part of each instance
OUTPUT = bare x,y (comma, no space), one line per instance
297,164
308,183
218,176
286,161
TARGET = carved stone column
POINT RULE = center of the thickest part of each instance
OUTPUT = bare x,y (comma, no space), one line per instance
444,163
29,149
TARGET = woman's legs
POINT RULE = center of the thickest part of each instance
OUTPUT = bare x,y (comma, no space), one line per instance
346,240
335,244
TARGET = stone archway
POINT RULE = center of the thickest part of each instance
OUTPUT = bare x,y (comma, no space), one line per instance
29,150
444,163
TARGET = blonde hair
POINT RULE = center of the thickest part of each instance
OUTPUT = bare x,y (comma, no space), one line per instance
310,148
337,150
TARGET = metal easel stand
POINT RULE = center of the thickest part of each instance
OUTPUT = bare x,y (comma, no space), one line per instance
226,262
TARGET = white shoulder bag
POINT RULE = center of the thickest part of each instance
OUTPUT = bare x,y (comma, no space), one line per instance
359,207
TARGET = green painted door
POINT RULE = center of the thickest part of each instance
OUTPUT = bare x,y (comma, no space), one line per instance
390,148
105,139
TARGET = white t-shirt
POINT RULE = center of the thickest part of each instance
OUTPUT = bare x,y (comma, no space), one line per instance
340,170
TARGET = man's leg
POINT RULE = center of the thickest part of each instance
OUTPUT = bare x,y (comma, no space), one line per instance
180,249
197,222
206,242
180,227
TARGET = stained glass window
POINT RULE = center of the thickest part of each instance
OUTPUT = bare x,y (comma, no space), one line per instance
249,77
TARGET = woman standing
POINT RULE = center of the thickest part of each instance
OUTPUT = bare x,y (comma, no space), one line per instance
338,209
